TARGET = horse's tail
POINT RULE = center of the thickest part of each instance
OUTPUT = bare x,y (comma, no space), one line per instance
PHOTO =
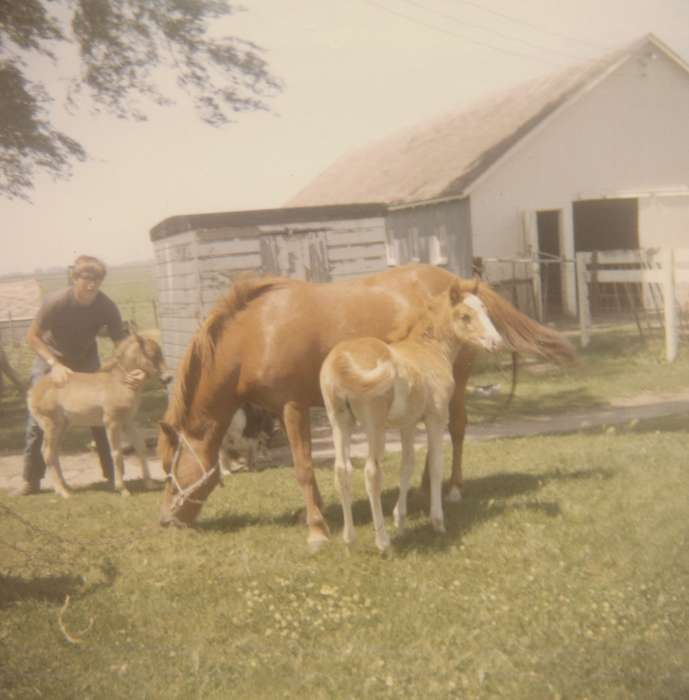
342,378
521,333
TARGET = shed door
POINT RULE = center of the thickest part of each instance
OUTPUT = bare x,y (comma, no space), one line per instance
300,254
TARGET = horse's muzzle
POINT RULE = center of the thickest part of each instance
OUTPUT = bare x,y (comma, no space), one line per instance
167,519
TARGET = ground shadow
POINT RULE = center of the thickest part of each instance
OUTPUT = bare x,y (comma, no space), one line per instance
484,498
52,589
231,522
134,486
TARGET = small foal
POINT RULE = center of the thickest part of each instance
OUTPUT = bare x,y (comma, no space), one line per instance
400,383
98,398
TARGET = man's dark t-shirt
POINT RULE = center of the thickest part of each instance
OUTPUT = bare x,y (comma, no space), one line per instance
70,328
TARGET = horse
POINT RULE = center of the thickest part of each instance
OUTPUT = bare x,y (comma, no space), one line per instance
99,398
377,384
264,343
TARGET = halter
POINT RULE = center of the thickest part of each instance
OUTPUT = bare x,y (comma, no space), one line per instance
183,495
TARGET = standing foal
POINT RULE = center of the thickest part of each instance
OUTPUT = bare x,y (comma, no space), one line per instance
99,398
401,383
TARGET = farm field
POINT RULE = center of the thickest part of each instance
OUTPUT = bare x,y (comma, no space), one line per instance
564,573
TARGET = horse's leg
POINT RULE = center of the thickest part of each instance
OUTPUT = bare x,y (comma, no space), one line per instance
114,432
435,427
139,446
406,471
52,432
373,474
342,425
297,426
457,425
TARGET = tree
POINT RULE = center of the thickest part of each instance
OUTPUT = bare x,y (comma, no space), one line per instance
124,47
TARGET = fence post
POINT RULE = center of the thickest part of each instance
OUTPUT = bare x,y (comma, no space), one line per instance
582,261
668,276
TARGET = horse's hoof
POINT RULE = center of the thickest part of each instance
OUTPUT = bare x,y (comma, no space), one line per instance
348,539
439,526
383,544
454,494
387,553
65,493
124,491
316,543
384,549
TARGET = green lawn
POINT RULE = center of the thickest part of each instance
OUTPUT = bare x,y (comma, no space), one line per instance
564,573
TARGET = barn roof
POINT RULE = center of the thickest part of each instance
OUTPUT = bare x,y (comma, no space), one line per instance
264,217
443,157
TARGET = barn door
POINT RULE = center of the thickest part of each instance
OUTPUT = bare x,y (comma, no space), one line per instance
299,254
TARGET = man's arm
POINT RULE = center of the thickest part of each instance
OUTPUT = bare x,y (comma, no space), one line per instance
58,372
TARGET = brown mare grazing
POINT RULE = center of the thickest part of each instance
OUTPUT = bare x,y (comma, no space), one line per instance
98,398
264,343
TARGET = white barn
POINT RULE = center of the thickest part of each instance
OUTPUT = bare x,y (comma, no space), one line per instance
595,157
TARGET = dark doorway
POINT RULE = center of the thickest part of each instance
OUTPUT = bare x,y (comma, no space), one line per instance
606,224
548,224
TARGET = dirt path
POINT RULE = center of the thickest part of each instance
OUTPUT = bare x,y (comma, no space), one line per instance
82,469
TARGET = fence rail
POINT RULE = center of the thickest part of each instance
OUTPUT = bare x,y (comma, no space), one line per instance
651,278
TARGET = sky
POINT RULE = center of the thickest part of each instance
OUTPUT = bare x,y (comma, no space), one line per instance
353,72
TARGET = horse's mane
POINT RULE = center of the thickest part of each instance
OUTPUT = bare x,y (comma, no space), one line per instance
112,361
200,355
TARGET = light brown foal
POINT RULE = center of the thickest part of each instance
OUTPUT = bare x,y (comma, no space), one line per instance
98,398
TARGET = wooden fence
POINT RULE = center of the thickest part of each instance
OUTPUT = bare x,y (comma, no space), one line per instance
658,276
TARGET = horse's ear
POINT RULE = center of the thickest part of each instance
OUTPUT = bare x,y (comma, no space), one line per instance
170,433
455,293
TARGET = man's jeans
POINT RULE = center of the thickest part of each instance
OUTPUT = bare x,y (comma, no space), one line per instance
34,465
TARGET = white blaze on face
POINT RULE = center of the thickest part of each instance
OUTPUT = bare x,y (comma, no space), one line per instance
490,338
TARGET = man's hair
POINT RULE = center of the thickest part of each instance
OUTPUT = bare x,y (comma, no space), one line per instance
87,264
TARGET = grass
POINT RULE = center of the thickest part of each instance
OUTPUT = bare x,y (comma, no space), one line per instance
564,573
617,364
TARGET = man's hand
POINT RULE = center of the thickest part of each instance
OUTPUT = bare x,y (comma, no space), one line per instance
135,379
60,374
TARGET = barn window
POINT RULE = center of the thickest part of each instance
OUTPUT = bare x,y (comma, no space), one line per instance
438,246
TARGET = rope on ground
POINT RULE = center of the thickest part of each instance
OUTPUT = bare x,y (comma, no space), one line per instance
60,621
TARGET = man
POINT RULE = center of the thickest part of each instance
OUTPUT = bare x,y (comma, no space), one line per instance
63,335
